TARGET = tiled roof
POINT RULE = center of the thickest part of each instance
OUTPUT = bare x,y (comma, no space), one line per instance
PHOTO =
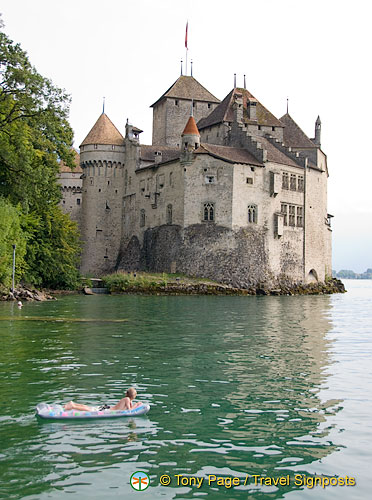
186,87
293,136
274,154
191,128
232,155
168,153
104,132
224,112
77,170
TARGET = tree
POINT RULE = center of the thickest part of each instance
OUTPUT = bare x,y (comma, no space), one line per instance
11,234
34,131
34,136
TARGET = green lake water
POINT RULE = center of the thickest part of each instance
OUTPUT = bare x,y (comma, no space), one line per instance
265,386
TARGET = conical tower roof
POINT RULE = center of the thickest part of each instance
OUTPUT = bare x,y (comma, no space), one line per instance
104,132
191,128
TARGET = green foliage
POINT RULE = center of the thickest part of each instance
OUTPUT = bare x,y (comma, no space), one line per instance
10,234
52,256
120,282
34,131
34,136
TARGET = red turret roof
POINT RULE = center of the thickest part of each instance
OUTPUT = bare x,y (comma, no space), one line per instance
191,128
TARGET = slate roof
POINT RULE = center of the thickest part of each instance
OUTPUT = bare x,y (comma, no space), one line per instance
186,87
104,132
191,128
77,170
224,112
227,153
293,136
274,154
168,153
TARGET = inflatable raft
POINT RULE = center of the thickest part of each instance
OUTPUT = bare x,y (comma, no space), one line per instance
57,412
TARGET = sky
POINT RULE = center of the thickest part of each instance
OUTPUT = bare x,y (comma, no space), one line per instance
315,53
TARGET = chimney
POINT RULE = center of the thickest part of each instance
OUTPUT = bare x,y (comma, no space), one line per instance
238,107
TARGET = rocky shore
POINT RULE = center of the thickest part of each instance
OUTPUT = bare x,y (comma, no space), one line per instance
190,287
25,294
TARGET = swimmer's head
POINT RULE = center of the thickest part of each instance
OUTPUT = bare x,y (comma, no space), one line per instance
131,393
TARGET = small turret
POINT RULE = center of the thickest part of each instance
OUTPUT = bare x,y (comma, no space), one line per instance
318,130
190,136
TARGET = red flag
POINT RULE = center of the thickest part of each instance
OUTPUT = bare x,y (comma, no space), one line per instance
187,27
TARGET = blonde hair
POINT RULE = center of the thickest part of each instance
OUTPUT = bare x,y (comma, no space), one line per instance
131,393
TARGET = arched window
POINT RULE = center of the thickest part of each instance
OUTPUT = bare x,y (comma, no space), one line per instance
252,214
208,212
142,217
169,214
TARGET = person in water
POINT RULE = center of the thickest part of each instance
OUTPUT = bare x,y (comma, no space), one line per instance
124,404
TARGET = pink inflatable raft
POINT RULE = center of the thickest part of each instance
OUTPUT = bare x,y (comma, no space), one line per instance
57,412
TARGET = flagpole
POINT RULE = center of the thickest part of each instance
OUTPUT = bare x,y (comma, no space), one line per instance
187,28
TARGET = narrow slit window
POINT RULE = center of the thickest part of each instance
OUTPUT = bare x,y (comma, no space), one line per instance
252,214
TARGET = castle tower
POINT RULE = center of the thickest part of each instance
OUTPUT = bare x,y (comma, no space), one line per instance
190,136
102,161
318,130
172,109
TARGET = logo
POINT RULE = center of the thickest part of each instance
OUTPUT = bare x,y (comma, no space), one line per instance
139,481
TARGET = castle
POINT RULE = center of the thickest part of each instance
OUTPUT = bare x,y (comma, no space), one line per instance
225,191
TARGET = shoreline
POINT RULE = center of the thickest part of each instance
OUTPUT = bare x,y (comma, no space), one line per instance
178,286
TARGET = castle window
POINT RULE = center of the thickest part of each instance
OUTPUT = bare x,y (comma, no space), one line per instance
284,211
171,178
91,181
208,212
142,217
169,214
273,129
112,147
300,219
193,104
77,201
99,190
249,180
210,179
176,102
285,181
209,105
293,182
292,215
300,183
95,146
252,214
259,127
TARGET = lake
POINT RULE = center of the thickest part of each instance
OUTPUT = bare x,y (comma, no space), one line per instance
256,388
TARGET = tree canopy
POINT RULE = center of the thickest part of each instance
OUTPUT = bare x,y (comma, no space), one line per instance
34,136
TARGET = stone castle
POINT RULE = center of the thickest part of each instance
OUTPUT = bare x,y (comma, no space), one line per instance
225,191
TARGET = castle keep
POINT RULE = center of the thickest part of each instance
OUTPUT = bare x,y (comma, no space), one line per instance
226,191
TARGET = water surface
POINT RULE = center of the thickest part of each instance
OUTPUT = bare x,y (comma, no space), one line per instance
272,386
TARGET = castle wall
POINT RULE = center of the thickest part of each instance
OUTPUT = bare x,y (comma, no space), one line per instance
171,115
102,207
71,187
208,250
199,190
317,232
